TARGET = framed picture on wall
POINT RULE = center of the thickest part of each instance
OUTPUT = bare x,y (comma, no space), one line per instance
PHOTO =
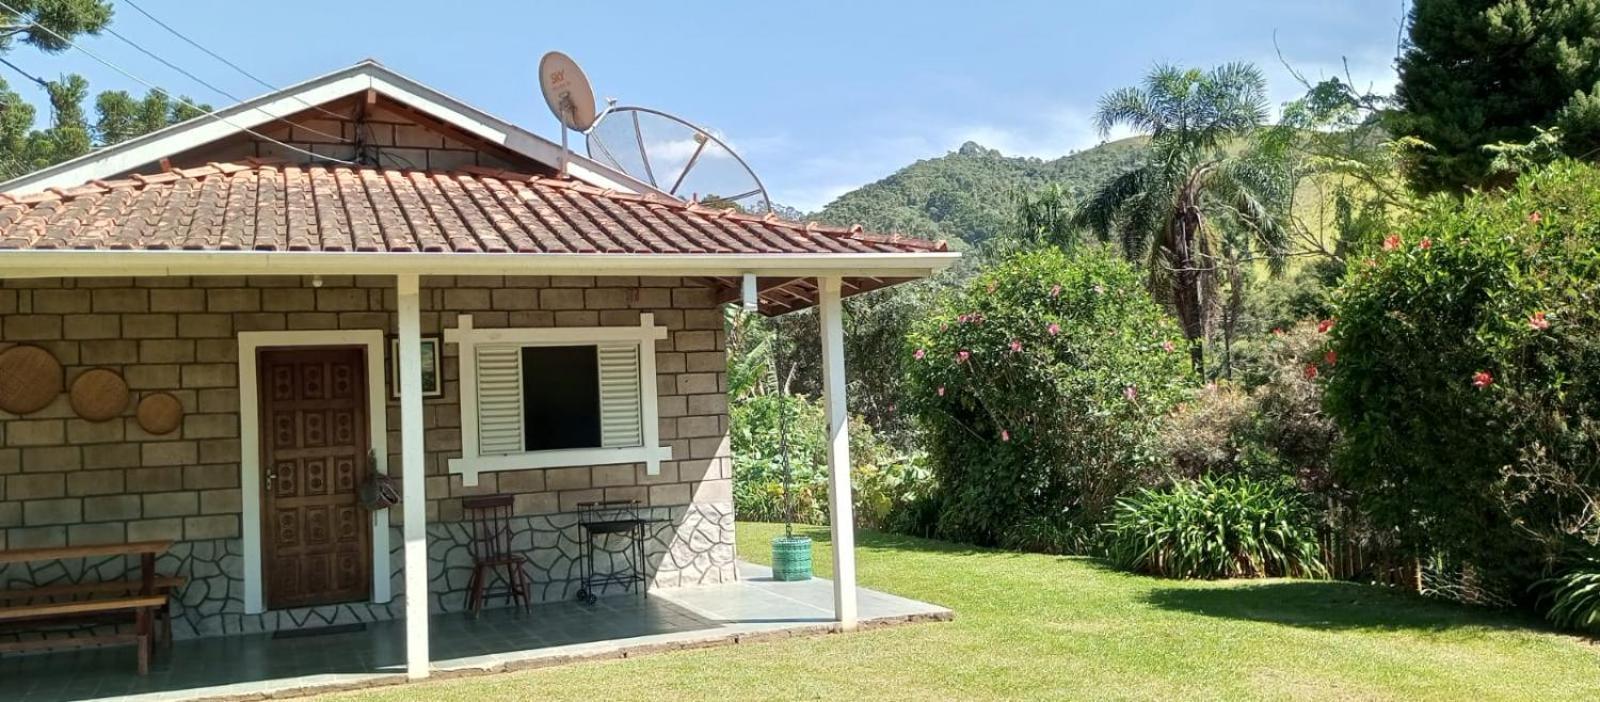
432,370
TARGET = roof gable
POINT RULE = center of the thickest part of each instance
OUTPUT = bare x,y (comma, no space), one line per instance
264,114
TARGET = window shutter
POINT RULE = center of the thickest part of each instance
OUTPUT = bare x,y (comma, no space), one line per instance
620,423
499,400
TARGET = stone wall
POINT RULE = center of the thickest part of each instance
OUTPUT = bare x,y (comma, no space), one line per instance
66,481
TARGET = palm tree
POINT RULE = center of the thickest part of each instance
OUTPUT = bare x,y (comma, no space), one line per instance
1200,195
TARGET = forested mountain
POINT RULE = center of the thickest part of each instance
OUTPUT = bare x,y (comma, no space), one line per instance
969,194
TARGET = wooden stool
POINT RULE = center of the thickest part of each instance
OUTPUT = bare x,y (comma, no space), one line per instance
489,519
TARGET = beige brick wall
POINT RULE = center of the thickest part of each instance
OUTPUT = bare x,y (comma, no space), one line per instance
64,480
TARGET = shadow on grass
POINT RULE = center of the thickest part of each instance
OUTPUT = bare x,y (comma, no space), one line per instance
1331,605
822,539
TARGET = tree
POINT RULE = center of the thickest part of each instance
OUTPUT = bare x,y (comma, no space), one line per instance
1481,72
1197,186
47,25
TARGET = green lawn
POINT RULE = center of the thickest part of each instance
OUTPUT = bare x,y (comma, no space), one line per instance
1033,627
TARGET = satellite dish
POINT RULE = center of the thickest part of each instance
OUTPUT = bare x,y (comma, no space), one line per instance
566,90
676,156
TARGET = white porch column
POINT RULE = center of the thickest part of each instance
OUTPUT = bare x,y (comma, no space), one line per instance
413,496
840,510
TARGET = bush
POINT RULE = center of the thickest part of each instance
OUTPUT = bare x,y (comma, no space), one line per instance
884,480
1468,378
1215,528
1573,598
1038,388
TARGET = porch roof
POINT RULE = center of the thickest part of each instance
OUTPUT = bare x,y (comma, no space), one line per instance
258,217
263,207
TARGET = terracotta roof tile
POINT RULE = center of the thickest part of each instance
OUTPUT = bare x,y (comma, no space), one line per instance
259,206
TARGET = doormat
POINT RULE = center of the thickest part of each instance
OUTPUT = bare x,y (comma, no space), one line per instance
319,631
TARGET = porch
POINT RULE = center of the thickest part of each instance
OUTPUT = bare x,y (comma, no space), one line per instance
501,639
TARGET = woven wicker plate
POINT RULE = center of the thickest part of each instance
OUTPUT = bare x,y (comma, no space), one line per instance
29,379
99,394
159,413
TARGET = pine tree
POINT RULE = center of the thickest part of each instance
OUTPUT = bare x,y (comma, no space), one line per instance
1480,72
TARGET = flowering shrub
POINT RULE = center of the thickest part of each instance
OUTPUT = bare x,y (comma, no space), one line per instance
1467,380
1038,387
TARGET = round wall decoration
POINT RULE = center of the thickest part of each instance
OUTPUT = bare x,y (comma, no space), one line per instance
99,394
29,379
160,413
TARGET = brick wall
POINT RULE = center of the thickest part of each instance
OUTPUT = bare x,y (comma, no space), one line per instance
64,480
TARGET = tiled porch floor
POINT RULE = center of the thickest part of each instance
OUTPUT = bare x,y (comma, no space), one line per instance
250,665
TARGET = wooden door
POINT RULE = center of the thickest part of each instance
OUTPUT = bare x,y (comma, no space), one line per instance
314,439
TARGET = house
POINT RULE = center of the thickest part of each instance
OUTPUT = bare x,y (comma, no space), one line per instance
359,275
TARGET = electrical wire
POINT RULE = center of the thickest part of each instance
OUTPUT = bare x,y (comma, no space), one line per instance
42,82
205,113
214,88
225,62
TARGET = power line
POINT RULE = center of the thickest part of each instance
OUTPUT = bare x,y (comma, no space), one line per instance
224,61
214,88
42,82
205,113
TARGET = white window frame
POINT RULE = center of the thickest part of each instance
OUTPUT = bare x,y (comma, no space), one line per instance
467,338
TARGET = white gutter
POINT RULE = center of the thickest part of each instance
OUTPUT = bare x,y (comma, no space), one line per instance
102,263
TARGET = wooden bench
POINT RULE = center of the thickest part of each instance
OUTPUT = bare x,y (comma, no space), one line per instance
144,597
52,594
143,607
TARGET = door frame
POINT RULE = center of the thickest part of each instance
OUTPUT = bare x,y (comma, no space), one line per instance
372,340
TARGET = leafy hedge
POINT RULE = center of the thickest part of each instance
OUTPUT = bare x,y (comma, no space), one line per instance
1467,380
1230,527
1038,387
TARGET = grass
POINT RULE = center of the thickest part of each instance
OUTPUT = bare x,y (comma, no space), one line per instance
1043,627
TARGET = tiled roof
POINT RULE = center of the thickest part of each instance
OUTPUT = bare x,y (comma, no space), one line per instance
263,207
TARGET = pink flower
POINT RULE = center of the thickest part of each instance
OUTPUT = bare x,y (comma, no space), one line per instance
1053,329
1425,244
961,319
1535,217
919,354
1391,242
1324,326
1331,357
1055,291
1131,393
1311,371
1168,346
962,356
1482,379
1537,322
941,391
1005,435
1016,346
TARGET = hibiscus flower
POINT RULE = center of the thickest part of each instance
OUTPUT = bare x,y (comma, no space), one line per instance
1426,243
1331,357
1324,326
1053,329
1168,346
962,356
1016,346
1535,217
919,354
1391,242
1482,379
1311,371
1538,322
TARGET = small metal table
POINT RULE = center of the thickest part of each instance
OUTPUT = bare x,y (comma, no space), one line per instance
600,522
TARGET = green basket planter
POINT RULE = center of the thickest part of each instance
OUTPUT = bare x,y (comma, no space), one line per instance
791,558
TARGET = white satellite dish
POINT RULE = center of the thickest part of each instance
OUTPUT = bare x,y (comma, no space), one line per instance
675,156
566,90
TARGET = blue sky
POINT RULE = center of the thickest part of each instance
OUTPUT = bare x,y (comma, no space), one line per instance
820,97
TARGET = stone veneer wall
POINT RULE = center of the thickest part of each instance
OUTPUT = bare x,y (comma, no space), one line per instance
65,481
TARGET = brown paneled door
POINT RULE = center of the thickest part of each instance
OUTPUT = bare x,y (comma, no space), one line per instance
314,441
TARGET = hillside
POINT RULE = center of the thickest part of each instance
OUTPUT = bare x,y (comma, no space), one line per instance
967,194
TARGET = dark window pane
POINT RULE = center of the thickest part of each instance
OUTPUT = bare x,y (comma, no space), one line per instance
560,397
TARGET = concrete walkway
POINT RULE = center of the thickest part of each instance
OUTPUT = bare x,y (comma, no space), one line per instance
626,625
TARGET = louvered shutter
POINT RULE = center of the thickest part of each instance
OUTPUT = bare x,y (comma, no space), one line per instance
499,400
620,423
